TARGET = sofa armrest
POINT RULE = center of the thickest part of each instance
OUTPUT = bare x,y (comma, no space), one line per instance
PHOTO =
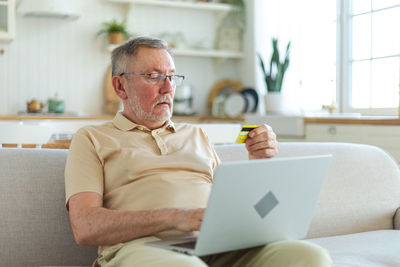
396,219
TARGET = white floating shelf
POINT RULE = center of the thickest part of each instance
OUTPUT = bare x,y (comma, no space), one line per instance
181,4
207,53
200,53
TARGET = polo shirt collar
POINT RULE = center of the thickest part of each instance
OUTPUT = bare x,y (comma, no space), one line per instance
124,124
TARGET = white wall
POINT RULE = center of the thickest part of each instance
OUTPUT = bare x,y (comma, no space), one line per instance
51,56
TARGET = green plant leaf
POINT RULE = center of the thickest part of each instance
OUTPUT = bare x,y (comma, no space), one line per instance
112,27
274,80
262,64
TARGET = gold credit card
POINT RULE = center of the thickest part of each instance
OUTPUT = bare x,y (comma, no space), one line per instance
244,133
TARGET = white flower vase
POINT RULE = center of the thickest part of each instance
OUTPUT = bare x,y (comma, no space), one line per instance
274,103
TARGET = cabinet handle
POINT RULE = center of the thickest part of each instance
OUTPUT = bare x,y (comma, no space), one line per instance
332,130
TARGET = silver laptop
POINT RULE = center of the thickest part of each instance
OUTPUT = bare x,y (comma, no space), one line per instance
256,202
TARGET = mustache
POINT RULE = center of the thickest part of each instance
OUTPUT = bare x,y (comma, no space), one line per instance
163,98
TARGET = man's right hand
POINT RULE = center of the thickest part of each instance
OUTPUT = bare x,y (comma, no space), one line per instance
92,224
187,220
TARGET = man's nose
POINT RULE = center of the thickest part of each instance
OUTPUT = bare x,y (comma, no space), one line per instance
168,85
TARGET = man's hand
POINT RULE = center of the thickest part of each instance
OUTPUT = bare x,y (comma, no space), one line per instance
95,225
262,143
187,220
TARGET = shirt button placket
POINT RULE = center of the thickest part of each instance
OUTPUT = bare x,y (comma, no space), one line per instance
160,143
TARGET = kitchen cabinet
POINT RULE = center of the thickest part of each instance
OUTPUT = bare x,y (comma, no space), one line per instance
7,20
386,137
380,131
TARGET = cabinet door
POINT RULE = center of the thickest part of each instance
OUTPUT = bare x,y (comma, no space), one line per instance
386,137
3,16
334,133
7,19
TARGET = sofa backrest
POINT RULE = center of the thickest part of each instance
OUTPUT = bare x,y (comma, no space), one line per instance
361,191
34,224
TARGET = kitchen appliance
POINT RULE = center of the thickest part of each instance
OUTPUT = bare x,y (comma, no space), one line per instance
183,100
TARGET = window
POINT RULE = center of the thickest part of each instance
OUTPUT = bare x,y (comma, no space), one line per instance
370,56
346,51
310,26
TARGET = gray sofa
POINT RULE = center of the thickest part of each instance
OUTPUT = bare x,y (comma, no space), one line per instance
355,218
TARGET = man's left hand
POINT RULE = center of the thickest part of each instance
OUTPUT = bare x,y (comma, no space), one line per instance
262,143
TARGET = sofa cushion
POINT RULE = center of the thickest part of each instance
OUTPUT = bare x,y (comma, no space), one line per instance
34,224
372,249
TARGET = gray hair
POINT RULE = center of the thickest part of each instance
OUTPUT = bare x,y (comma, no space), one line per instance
123,54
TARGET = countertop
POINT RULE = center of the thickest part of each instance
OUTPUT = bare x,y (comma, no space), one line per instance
54,117
352,119
194,118
336,118
308,118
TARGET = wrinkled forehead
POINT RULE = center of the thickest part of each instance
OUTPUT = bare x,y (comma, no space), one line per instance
151,59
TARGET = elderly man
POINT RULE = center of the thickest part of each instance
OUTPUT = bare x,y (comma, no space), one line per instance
141,177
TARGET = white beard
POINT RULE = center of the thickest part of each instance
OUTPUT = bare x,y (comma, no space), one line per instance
143,115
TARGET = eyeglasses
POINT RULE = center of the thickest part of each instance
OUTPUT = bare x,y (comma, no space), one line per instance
159,78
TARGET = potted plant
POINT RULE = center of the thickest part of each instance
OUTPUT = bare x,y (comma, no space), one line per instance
274,77
116,31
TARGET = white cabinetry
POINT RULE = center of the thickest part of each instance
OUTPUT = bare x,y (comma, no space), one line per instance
386,137
7,19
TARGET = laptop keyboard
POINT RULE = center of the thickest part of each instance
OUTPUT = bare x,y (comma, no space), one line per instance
190,244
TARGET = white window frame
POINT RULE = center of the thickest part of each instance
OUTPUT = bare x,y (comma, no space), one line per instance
344,64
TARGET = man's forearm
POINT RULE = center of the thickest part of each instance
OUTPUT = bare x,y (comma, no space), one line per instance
100,226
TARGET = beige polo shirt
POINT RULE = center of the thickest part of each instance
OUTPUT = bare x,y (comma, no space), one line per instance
134,168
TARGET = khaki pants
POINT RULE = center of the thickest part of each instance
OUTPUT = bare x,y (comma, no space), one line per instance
284,253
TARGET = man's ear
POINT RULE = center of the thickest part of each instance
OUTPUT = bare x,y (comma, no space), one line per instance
119,87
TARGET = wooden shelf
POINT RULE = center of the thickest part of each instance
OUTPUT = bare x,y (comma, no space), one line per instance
181,4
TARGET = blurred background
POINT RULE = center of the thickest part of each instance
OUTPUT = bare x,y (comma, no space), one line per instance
338,65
